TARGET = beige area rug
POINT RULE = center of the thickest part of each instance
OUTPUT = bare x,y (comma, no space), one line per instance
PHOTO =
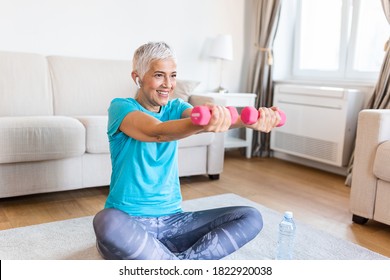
74,239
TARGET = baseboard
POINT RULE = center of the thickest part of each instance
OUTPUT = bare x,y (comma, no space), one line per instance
311,163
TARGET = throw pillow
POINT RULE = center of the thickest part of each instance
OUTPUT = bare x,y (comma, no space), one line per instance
184,88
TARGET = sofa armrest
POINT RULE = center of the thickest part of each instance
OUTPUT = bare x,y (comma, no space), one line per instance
373,128
215,151
216,155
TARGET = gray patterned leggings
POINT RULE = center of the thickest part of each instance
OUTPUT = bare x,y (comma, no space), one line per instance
204,235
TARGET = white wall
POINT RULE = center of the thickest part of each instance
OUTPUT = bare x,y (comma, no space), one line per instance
113,29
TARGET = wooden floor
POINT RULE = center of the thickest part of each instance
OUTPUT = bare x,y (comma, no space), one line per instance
316,197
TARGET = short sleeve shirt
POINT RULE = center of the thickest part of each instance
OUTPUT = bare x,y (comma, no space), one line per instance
144,178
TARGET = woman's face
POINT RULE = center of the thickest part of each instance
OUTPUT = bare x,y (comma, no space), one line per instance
158,84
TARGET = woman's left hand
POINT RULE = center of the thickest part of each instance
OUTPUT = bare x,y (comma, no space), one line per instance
269,118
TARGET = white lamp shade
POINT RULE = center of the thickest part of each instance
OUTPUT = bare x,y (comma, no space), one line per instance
222,47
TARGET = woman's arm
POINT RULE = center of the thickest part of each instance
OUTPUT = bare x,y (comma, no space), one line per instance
143,127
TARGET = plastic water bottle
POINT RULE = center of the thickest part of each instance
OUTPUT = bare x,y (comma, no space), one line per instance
285,245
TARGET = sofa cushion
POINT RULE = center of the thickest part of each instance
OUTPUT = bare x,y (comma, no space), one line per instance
25,139
96,133
24,85
201,139
83,86
382,161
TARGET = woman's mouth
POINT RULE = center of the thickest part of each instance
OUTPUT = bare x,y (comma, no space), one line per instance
163,93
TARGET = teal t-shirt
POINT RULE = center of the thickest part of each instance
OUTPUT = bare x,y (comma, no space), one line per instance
144,179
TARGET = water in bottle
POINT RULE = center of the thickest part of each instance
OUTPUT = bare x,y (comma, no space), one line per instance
285,245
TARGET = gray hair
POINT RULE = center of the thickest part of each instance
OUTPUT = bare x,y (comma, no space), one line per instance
147,53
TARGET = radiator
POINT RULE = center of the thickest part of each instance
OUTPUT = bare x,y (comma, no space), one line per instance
321,122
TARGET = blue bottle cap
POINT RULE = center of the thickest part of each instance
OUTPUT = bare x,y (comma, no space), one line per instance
288,214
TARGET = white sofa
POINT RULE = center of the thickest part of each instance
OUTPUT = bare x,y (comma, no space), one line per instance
370,188
53,118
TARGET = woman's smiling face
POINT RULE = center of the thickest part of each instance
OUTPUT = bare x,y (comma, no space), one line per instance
158,84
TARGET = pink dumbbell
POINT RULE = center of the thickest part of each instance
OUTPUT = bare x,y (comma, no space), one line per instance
201,115
250,115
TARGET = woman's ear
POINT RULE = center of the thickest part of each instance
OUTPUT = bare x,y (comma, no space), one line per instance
136,79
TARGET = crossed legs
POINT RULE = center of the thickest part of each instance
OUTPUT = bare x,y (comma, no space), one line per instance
207,234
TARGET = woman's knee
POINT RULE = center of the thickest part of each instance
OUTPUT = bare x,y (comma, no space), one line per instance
254,217
107,221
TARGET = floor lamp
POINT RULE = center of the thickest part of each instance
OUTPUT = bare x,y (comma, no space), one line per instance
222,49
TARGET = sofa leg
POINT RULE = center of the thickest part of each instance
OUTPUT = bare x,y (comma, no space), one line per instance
359,220
214,176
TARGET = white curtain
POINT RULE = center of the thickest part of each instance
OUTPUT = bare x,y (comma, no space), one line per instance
380,98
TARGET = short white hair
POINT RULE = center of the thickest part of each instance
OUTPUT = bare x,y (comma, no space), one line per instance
147,53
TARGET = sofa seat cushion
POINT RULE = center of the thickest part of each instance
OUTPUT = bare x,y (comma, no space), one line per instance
96,134
382,161
201,139
37,138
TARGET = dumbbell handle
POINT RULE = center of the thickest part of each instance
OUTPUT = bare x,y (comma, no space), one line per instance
201,115
250,115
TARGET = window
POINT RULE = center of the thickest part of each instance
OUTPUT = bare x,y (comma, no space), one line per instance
340,39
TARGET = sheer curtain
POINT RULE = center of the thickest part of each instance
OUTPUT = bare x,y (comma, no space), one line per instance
380,98
267,14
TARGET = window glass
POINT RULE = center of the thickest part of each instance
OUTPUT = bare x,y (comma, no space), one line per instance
372,31
341,39
319,36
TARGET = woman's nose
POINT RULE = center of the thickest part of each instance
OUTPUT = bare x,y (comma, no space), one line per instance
167,83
